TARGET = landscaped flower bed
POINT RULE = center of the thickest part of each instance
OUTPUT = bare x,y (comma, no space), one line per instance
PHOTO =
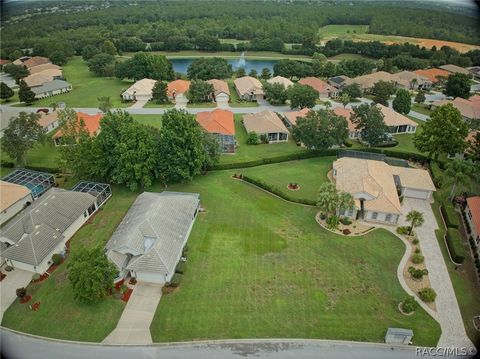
127,294
26,299
293,186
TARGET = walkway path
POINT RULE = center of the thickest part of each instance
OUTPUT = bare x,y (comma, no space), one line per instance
134,324
17,278
449,316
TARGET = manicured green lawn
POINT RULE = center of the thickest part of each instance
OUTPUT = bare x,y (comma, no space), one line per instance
309,174
152,104
202,105
5,171
249,153
421,109
60,316
259,267
152,120
87,87
340,57
42,155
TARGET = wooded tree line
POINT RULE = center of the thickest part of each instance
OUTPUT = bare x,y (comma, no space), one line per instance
188,25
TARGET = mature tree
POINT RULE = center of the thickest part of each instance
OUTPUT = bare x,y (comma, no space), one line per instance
444,133
275,93
382,90
182,151
108,47
105,103
207,68
318,62
212,150
145,66
458,173
5,92
25,94
16,71
253,73
199,91
345,99
240,72
91,274
100,64
353,90
253,139
302,96
22,134
89,51
159,92
58,58
420,97
329,70
458,85
369,120
265,74
415,218
321,129
402,102
72,127
355,67
292,68
327,198
473,151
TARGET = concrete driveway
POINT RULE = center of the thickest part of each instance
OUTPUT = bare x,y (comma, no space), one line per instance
139,104
453,331
15,279
134,324
181,102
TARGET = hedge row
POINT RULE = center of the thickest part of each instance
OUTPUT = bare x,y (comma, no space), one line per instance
276,191
7,164
455,246
450,215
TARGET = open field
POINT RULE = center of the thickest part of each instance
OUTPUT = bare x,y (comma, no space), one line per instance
259,267
60,316
360,33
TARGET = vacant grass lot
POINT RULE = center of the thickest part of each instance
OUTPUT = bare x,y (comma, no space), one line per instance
250,152
42,155
151,120
87,87
259,267
60,316
309,174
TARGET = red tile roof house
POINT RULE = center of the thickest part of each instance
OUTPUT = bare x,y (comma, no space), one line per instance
177,88
292,116
219,123
472,211
324,89
92,125
353,133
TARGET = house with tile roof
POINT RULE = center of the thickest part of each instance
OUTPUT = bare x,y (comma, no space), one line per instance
91,123
434,75
280,80
221,92
43,67
339,81
469,108
292,116
49,121
36,61
472,212
39,78
366,82
148,243
13,198
454,69
249,88
177,88
42,229
397,122
409,80
377,186
324,89
353,133
139,91
266,123
219,123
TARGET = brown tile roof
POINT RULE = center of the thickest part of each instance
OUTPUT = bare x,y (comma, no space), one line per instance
474,205
247,84
367,81
317,84
347,113
42,67
280,80
39,78
142,87
468,108
177,87
47,118
263,122
219,86
455,69
217,121
393,118
432,74
35,61
292,116
11,193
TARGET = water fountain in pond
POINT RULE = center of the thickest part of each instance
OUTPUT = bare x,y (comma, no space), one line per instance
241,60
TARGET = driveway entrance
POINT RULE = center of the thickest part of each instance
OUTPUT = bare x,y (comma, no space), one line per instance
17,278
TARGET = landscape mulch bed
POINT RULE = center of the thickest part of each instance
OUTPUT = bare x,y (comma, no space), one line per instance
42,278
26,299
127,294
2,275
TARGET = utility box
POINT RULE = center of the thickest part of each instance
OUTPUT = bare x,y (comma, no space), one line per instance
399,336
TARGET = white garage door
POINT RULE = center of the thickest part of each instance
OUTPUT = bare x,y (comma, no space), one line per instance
416,193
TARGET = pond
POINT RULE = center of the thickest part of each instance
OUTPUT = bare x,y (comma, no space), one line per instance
181,65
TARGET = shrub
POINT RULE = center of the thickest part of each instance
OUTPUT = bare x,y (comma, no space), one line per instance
176,279
402,230
450,215
417,273
345,221
427,295
455,245
253,139
417,250
323,216
21,292
417,258
264,138
332,222
409,304
57,258
36,276
415,241
347,143
180,268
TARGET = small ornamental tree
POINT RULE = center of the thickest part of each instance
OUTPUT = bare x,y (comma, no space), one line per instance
415,218
159,92
199,91
275,94
25,94
420,97
458,85
265,74
370,121
382,91
105,103
402,102
21,292
5,92
253,139
354,91
345,99
417,273
91,274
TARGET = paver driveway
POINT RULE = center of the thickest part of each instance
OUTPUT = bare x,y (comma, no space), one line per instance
15,279
134,324
453,331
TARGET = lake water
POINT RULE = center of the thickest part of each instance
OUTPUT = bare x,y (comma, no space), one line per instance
181,65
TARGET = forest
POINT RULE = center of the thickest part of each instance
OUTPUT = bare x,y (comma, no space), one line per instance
186,25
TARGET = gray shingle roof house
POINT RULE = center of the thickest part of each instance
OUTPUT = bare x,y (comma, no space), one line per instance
51,88
148,243
44,227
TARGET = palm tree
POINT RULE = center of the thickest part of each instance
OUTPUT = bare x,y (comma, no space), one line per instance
345,201
413,83
327,198
458,173
415,218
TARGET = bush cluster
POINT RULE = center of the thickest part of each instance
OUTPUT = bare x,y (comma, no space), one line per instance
181,267
417,258
176,280
417,273
57,258
409,304
427,295
455,245
403,229
450,215
345,221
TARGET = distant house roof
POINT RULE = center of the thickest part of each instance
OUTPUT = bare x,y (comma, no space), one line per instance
3,62
369,80
405,78
92,123
433,74
468,108
39,78
264,122
11,193
292,116
35,61
47,118
248,85
347,113
317,84
474,205
154,231
474,70
142,87
54,85
393,118
280,80
217,121
177,87
43,67
339,81
6,115
219,86
21,60
39,228
455,69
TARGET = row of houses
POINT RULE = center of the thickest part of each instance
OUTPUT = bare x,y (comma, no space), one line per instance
45,79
